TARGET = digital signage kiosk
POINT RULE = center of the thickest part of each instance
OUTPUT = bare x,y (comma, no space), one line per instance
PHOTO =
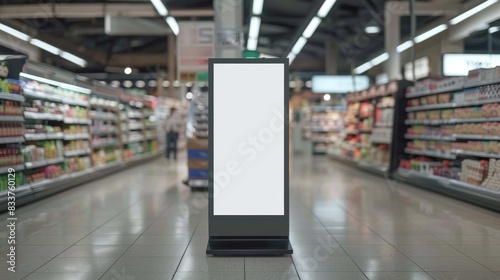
248,157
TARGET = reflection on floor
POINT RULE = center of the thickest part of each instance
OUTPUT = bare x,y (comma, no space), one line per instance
144,224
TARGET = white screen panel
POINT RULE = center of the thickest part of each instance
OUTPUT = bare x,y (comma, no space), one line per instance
248,139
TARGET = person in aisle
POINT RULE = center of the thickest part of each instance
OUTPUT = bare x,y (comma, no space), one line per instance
172,126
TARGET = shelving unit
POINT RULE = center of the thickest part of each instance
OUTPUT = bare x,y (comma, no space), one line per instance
323,126
370,127
197,145
46,134
452,141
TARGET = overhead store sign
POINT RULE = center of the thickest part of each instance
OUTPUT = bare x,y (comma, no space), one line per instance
461,64
195,45
339,84
229,39
422,69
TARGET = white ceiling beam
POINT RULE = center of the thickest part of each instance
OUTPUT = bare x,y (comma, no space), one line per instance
97,10
477,22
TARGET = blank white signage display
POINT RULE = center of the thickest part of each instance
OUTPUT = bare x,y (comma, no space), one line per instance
248,139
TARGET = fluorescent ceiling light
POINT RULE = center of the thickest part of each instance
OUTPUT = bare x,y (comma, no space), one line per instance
55,83
45,46
257,7
379,59
254,27
372,29
363,68
494,29
160,8
434,31
309,31
173,25
404,46
325,8
301,42
291,57
73,58
14,32
472,12
252,44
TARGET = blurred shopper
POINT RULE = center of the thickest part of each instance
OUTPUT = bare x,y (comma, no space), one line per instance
172,126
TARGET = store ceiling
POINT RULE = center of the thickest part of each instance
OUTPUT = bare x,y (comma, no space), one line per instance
281,20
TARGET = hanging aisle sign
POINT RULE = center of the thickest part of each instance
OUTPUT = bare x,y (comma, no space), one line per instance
195,45
248,157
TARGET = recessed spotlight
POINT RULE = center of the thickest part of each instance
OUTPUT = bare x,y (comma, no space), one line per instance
372,29
127,70
327,97
166,83
140,84
177,83
127,84
292,84
151,83
115,83
309,84
189,95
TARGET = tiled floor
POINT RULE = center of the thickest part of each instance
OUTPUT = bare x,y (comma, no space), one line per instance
143,224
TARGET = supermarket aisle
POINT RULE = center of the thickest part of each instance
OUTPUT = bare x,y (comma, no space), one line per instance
143,224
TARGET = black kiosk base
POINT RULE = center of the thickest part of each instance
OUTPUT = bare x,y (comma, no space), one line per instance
249,247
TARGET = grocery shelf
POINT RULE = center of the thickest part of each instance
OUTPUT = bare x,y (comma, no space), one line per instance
136,127
432,92
43,136
19,118
375,141
431,137
451,121
76,120
452,105
43,116
12,97
381,125
19,190
105,118
134,116
352,132
77,136
104,145
476,137
40,95
481,196
476,154
135,140
36,164
76,153
430,154
430,107
5,169
7,140
105,131
75,102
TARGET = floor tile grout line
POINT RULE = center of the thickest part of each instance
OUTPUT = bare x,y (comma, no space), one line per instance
295,267
139,236
185,250
125,208
329,233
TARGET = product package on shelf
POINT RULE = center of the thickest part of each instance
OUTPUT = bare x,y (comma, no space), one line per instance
457,119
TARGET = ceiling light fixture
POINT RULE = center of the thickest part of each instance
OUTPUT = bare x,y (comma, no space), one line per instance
313,25
44,46
404,46
160,7
325,8
372,29
253,33
73,58
494,29
327,97
379,59
15,33
257,7
434,31
311,28
172,23
127,70
472,12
